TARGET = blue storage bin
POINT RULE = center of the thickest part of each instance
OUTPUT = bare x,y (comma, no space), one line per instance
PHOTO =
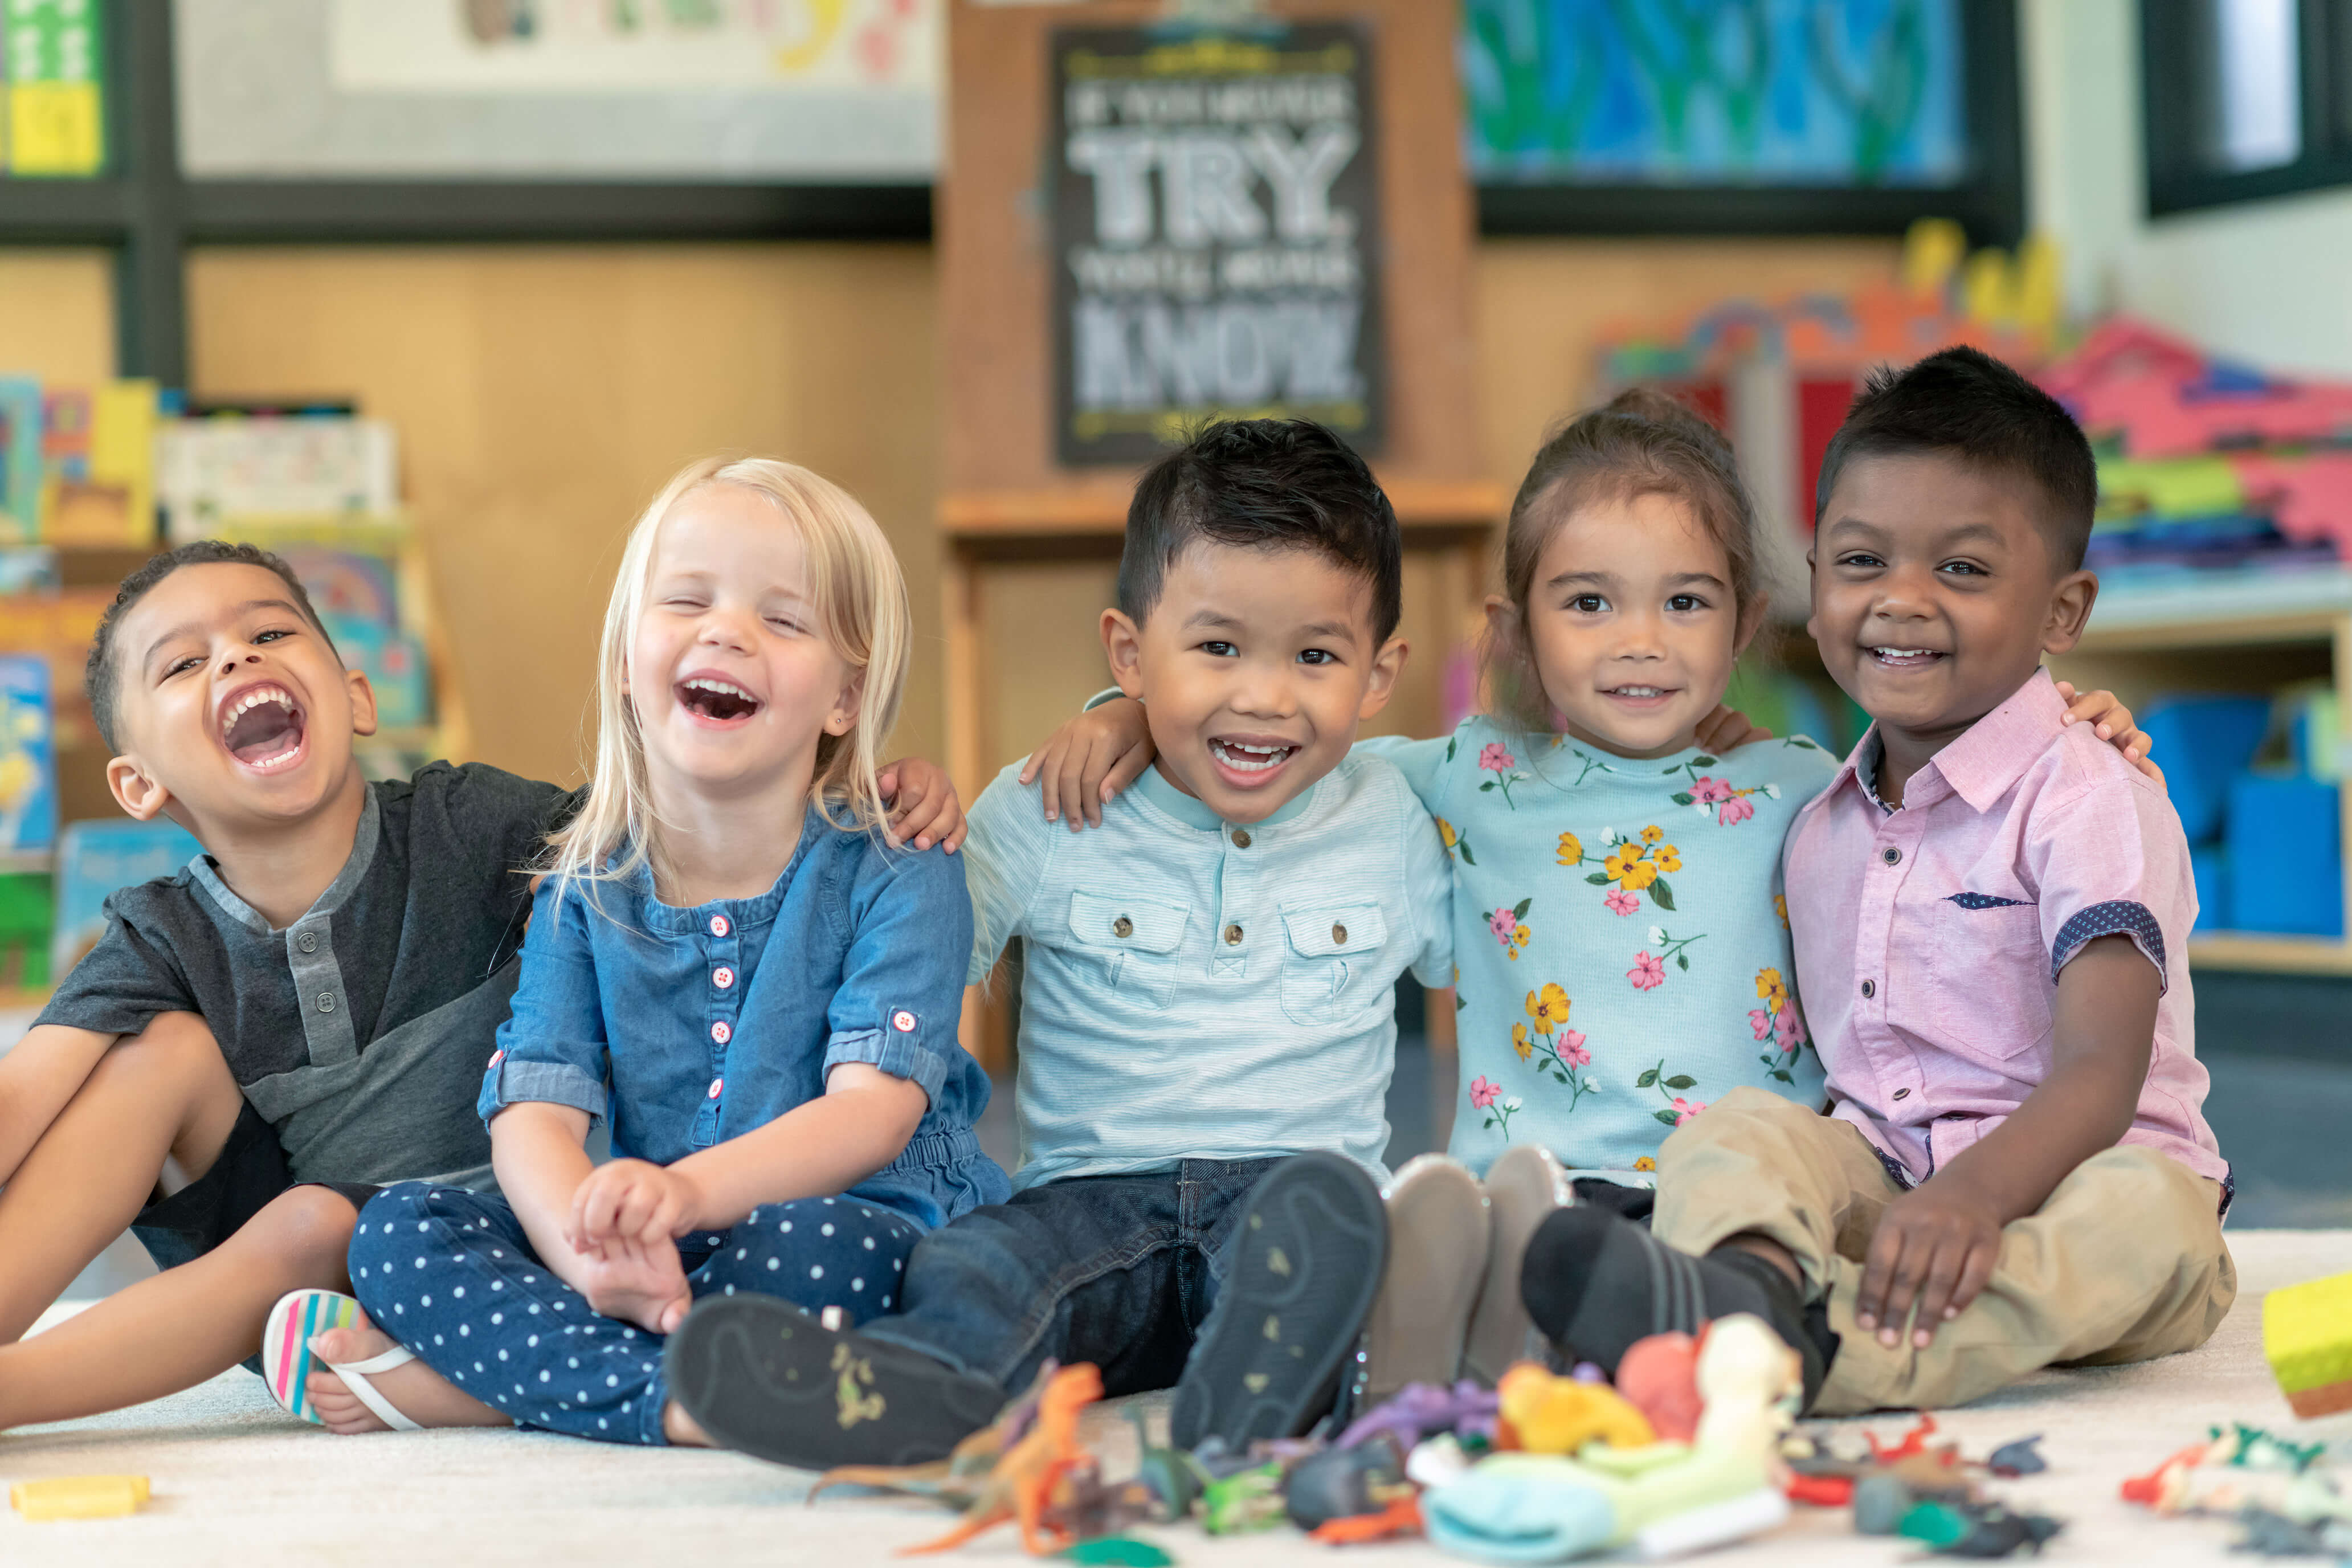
2210,862
2287,852
2204,742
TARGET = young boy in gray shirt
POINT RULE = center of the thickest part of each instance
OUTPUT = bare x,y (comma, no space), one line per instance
302,1013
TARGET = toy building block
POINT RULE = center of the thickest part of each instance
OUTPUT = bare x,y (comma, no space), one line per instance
2307,1340
79,1497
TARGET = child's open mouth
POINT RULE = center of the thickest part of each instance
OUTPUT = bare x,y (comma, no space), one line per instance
1638,696
262,727
1249,762
716,701
1905,657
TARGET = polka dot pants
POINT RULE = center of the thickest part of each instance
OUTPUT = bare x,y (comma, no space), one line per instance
451,1275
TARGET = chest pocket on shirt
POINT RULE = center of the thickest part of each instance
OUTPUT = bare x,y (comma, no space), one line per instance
1327,963
1133,939
1998,1022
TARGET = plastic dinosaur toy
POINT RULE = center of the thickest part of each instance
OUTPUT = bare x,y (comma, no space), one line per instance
1020,1487
1660,1376
959,1479
1401,1516
1175,1481
2021,1458
1243,1500
1543,1414
1421,1410
1976,1529
1345,1483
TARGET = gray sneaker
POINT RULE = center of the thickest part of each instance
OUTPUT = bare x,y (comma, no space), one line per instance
1524,1186
1437,1257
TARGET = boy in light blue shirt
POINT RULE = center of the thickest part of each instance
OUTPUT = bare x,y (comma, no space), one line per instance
1207,1021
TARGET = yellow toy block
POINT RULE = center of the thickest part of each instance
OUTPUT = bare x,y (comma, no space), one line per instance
79,1497
2307,1340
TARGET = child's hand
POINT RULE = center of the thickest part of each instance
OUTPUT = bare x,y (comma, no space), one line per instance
924,809
1727,729
632,1201
1936,1246
640,1283
1090,759
2114,722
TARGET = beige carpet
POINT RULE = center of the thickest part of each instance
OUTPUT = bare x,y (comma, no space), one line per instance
237,1482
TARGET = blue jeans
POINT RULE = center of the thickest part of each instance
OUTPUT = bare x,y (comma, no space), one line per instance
451,1275
1121,1272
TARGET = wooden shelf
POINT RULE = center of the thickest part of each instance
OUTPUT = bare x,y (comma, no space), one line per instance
1100,507
2271,953
2220,608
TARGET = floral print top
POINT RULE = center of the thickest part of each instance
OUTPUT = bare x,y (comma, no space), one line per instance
1620,940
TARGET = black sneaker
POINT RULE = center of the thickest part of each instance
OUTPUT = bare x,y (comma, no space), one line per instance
1304,1267
765,1378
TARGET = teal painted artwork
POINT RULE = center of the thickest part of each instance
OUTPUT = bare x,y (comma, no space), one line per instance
1715,92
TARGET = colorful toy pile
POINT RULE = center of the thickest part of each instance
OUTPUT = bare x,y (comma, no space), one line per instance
2289,1503
2204,463
1692,1448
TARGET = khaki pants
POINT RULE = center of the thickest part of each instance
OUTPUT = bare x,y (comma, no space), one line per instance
2123,1262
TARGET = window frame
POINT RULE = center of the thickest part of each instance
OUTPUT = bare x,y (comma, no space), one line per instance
2172,88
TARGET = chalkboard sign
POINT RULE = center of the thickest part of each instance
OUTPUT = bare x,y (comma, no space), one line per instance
1216,234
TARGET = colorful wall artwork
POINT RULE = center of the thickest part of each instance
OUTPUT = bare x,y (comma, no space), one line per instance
1715,92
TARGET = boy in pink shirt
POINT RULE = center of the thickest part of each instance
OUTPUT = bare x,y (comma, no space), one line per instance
1990,910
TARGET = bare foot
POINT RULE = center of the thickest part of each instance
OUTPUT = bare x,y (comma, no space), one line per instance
414,1389
682,1430
637,1284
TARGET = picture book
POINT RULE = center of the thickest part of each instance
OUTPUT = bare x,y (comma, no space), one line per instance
20,458
29,760
99,465
210,469
94,858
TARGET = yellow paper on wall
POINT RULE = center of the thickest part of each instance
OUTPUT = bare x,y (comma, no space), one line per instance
55,128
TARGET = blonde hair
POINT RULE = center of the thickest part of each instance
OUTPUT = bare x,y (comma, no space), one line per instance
856,588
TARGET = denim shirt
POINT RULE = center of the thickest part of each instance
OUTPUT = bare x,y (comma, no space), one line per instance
1201,989
687,1027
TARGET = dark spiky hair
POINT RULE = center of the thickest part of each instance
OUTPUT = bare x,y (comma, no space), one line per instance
1264,484
100,677
1962,403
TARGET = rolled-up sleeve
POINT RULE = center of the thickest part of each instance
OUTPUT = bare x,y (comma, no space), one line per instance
551,1049
901,993
2112,861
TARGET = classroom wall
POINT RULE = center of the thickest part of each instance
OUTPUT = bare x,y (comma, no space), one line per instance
541,395
57,314
2265,280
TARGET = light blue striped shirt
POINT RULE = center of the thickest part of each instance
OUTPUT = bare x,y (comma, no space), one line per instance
1200,989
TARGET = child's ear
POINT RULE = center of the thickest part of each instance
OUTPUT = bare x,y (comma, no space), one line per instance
140,795
1751,621
1502,618
1387,665
2070,611
844,717
1123,642
363,702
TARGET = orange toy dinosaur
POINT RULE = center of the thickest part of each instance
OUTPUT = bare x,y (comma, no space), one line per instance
1021,1484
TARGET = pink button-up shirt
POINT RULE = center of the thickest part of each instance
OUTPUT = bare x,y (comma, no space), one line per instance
1929,939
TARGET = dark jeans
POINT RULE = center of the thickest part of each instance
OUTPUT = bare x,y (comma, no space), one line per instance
1121,1272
